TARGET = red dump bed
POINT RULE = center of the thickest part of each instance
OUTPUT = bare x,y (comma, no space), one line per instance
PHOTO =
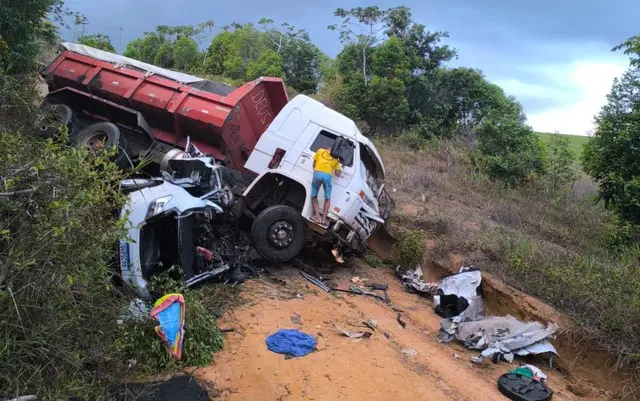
222,121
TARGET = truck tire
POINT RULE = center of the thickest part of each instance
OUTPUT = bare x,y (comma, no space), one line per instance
104,135
54,116
278,233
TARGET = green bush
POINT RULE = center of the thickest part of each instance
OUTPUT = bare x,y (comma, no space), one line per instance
410,248
140,346
58,230
509,151
562,163
611,157
411,139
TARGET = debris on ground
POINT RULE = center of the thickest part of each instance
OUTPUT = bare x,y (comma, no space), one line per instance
502,336
530,371
409,351
354,334
412,280
315,281
291,342
456,355
371,323
458,293
518,387
169,311
136,310
400,320
296,319
381,287
358,280
337,255
24,398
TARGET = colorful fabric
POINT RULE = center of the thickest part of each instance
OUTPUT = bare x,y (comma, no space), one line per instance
321,179
324,162
169,311
291,342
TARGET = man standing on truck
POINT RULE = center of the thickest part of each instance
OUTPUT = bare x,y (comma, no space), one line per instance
324,166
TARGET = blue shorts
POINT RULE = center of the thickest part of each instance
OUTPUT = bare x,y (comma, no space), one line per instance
321,179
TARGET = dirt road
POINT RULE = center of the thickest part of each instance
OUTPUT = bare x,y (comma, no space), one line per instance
347,369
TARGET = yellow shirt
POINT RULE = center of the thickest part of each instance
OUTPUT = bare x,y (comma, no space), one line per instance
324,162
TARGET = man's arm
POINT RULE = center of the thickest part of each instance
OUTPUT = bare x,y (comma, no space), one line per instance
337,169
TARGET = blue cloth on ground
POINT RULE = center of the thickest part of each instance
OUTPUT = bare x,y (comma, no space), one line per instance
291,342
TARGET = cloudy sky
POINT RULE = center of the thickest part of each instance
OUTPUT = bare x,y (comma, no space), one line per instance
553,55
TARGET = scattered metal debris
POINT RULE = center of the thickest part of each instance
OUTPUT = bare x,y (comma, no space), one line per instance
381,287
296,319
400,320
315,281
458,293
353,334
371,323
412,280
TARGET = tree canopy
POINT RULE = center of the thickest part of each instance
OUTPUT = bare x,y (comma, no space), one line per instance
99,41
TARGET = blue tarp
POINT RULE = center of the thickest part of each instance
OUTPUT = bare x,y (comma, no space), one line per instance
291,342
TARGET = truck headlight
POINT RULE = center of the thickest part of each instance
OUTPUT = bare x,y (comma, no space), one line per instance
157,206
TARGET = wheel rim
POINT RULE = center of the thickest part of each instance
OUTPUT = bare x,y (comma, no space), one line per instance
281,234
96,141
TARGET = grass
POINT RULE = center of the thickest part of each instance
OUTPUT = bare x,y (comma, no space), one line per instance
576,142
551,244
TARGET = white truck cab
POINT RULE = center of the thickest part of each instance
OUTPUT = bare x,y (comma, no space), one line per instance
283,162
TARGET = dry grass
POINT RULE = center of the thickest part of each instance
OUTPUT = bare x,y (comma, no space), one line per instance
549,244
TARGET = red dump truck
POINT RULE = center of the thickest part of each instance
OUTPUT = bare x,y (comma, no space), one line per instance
150,113
155,105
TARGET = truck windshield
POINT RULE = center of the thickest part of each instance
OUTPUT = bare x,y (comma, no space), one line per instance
370,169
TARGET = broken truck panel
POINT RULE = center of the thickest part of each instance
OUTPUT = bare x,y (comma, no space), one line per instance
175,220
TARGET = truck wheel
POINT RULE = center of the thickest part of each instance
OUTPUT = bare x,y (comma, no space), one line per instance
278,233
54,116
104,135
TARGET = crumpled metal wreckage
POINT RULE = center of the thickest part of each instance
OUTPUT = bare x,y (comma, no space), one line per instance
466,320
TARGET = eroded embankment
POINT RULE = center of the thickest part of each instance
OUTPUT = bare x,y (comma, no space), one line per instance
586,368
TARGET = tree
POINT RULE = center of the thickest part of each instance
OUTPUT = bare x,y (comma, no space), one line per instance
631,47
509,149
145,48
612,156
300,57
99,41
22,25
268,64
233,49
185,54
170,47
561,168
366,32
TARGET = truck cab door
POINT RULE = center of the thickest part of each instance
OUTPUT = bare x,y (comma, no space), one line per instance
325,139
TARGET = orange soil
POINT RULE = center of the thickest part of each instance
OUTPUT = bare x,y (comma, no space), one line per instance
347,369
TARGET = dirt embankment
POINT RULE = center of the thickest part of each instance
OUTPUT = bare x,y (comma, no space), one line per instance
395,363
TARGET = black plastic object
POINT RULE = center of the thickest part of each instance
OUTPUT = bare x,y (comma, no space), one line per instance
451,305
342,149
522,388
